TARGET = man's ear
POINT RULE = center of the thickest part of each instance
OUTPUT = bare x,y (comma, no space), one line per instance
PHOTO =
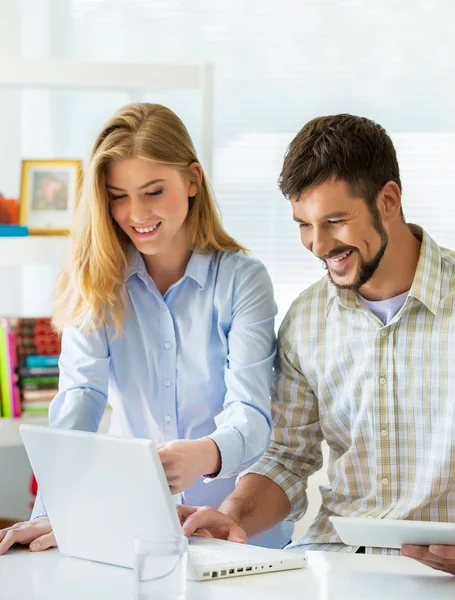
389,202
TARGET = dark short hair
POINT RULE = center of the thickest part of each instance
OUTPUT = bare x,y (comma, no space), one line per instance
345,147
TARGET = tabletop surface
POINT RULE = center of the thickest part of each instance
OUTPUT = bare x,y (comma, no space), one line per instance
50,575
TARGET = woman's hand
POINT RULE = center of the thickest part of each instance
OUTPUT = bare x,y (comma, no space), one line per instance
185,460
38,533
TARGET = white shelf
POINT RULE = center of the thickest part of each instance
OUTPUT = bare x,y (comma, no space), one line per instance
9,428
131,77
33,250
99,75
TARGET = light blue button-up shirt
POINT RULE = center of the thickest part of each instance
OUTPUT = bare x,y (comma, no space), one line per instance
195,362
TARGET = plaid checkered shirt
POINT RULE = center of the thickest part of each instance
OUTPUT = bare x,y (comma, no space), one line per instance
382,396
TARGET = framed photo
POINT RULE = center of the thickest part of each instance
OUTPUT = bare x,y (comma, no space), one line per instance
49,190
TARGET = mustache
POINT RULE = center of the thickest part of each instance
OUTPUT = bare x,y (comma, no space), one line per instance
336,252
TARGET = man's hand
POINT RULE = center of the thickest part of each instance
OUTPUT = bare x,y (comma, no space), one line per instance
437,557
185,460
38,533
209,522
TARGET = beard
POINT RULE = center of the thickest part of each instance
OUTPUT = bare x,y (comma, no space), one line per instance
366,269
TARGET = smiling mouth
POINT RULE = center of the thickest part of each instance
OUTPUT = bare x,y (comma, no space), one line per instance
146,230
339,261
341,256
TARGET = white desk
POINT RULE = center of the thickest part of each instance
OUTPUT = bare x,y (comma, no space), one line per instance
329,576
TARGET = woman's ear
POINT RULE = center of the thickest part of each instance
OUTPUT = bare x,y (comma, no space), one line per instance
195,178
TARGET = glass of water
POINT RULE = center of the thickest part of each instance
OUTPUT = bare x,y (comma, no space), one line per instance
160,568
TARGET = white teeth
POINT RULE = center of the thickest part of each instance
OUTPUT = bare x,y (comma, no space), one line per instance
145,229
338,258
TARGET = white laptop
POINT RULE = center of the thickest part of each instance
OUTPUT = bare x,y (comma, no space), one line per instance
101,492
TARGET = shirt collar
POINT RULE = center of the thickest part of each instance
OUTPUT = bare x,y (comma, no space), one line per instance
197,267
426,286
136,265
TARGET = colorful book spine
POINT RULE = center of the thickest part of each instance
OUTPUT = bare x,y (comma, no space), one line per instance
13,231
38,371
39,395
40,382
33,361
38,347
14,389
36,407
33,387
5,388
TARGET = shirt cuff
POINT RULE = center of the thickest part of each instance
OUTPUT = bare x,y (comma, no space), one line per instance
231,447
292,485
39,510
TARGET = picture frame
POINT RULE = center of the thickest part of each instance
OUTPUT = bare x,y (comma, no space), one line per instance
49,192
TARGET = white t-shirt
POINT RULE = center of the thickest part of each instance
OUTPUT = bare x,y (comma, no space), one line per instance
385,309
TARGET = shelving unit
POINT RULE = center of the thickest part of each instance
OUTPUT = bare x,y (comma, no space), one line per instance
28,265
132,77
28,268
9,428
33,250
19,256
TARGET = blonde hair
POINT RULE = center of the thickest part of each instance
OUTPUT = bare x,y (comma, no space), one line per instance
91,288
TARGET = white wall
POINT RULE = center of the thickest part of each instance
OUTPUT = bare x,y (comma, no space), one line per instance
277,64
10,151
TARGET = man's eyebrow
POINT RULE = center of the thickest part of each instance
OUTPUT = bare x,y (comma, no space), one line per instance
335,215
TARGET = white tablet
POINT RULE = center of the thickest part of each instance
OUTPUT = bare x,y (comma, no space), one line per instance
392,533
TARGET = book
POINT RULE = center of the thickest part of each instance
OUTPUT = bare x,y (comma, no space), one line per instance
24,350
36,407
40,381
40,371
13,231
34,360
32,321
31,387
5,373
38,395
13,378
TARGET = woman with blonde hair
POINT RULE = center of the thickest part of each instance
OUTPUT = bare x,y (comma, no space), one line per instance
164,316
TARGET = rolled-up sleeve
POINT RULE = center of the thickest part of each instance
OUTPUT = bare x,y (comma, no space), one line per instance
295,450
244,425
83,384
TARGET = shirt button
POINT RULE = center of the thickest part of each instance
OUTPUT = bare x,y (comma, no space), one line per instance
385,481
167,345
384,332
384,432
167,383
167,418
382,380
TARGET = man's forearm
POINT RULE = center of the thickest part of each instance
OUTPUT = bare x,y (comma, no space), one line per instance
256,504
